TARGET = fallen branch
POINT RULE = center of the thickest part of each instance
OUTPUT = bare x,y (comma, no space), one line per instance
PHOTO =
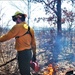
8,62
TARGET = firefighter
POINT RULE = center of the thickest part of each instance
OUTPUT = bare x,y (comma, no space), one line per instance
25,45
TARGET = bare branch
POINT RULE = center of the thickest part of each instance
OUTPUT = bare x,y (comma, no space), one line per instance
13,4
52,8
8,62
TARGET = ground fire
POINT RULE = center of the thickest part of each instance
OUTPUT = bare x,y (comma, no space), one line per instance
50,70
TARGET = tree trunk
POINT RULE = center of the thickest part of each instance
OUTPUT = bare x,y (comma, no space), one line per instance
58,44
59,18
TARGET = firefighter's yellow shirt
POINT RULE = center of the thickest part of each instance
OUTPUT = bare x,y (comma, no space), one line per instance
24,42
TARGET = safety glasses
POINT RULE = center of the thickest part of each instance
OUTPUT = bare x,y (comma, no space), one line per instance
14,18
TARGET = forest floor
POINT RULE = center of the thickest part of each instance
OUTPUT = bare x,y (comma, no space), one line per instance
11,68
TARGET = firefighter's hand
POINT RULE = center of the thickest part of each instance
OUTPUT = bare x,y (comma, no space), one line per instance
34,58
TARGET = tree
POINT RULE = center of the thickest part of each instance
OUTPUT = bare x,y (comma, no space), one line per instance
55,7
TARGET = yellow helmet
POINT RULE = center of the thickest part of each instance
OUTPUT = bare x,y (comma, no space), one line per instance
19,13
16,13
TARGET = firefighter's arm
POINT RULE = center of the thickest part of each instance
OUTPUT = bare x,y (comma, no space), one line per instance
11,34
33,44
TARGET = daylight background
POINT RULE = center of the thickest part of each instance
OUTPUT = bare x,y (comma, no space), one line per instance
55,39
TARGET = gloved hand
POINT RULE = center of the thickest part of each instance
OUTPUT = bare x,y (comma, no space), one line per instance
34,58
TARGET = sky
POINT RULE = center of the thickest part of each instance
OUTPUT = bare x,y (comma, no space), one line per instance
38,12
9,10
67,5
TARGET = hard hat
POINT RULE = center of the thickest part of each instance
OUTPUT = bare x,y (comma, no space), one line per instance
19,13
34,66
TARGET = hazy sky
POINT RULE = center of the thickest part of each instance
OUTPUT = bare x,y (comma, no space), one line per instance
67,5
39,11
36,11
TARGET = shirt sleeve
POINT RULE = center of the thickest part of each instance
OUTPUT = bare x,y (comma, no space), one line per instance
11,34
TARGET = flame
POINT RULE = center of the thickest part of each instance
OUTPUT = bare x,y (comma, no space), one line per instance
49,70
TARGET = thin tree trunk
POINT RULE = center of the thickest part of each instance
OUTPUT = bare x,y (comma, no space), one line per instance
59,17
